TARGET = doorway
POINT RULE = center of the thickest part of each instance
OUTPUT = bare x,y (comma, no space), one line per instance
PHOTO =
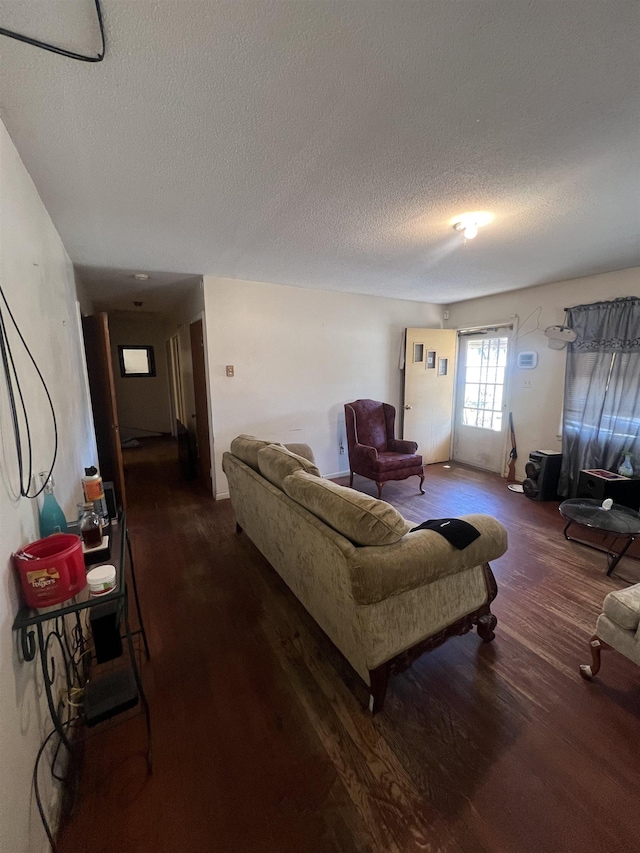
480,420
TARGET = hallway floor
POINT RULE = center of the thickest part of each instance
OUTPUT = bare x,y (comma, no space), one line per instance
261,739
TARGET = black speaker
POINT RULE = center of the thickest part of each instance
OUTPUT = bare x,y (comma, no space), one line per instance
105,627
110,498
600,484
543,474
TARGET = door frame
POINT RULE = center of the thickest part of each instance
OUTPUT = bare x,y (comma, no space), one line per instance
200,317
97,348
176,387
511,323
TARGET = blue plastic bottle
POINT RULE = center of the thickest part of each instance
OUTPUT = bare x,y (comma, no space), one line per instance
52,518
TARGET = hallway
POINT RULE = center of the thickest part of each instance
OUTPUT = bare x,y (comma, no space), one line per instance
261,740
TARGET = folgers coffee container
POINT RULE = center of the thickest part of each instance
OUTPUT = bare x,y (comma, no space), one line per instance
51,570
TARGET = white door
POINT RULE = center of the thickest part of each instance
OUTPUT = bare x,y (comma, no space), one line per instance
481,417
428,391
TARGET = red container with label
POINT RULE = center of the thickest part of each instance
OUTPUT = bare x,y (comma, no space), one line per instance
51,570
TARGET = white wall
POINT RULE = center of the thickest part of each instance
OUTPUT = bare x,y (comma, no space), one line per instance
38,282
299,355
143,402
537,409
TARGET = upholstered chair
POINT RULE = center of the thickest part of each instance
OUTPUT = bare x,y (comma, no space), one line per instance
374,452
618,627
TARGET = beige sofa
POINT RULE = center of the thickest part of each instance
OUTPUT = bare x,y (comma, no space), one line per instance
382,594
618,627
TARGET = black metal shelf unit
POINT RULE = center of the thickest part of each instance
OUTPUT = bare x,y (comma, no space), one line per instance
64,626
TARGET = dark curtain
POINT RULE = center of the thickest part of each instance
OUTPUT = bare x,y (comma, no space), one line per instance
602,389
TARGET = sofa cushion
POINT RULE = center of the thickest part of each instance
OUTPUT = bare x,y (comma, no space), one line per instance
275,463
302,450
246,448
623,607
360,518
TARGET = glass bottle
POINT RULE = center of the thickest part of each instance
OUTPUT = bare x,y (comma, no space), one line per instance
52,518
90,525
626,466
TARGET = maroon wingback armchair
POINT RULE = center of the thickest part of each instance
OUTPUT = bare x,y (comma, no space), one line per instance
374,452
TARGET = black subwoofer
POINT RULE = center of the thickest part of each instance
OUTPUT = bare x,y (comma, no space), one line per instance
599,485
543,474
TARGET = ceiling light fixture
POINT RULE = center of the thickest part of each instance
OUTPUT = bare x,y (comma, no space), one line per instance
468,223
141,276
470,230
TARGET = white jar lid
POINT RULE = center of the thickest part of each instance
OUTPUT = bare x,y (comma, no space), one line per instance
101,576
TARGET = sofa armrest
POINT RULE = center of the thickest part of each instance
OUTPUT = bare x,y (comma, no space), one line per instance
397,445
378,572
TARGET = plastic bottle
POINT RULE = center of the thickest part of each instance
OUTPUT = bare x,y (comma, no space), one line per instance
52,518
92,485
94,492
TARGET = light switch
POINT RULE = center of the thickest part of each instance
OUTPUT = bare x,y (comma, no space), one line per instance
230,370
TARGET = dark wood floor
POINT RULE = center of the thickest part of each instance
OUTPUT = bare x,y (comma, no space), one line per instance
260,737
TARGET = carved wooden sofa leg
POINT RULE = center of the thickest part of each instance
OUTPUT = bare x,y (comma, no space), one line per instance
421,482
379,485
485,625
597,645
482,618
379,678
486,621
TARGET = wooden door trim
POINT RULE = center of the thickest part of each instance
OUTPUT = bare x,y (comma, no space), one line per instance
97,346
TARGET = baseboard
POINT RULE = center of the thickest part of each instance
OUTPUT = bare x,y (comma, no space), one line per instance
337,474
222,496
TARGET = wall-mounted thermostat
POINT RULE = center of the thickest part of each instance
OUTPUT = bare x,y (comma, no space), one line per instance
527,360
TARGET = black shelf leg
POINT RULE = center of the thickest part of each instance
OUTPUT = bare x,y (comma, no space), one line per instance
138,679
49,678
135,595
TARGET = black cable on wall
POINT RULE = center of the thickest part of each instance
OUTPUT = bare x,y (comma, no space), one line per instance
24,450
70,54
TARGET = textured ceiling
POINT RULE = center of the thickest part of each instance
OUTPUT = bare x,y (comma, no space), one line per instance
118,289
330,144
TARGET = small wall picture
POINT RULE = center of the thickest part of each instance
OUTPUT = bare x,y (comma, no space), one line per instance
443,366
431,359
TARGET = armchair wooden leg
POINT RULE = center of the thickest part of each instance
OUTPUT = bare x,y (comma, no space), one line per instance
379,485
350,479
421,482
597,645
379,680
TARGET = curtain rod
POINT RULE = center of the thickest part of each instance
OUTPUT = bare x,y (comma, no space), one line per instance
474,330
603,302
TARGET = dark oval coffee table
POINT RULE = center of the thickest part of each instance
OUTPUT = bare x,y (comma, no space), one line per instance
619,520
